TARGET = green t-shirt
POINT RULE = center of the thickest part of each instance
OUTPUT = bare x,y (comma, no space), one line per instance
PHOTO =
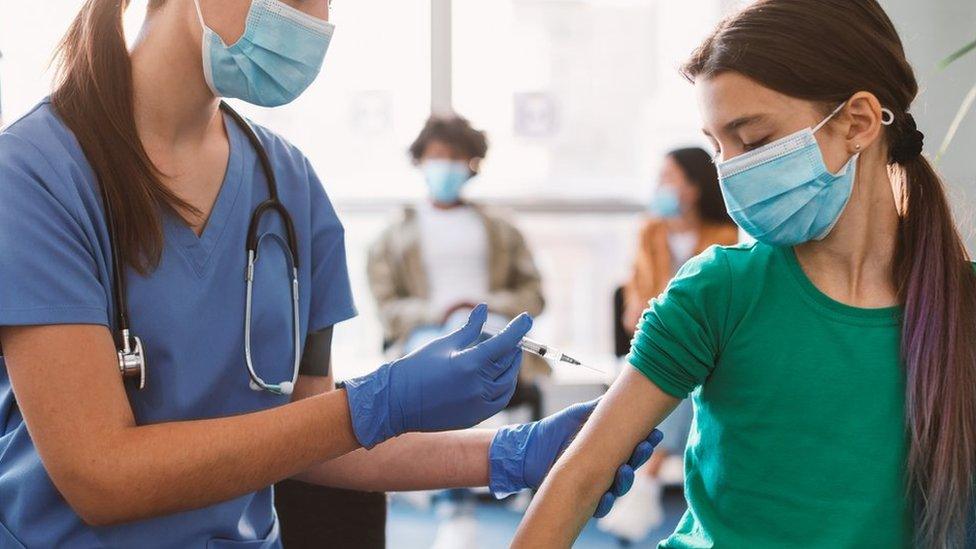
799,432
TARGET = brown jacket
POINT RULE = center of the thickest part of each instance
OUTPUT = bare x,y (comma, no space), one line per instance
653,267
398,279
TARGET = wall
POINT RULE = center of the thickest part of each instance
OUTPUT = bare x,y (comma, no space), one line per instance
931,30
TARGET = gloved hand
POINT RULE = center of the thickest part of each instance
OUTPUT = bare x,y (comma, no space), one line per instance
442,386
520,456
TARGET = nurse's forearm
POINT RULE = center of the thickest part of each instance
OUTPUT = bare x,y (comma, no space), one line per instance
164,468
111,470
419,461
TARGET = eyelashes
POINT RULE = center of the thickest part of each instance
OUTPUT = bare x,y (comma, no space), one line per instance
755,144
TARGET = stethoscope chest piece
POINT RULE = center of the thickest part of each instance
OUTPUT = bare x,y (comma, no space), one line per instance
132,360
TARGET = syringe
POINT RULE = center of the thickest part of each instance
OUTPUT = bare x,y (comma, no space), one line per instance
547,352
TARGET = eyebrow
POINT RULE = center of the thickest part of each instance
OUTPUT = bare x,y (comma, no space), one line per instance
738,123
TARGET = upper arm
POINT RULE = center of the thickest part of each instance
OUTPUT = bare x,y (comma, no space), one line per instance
331,300
682,333
379,270
67,385
624,417
49,254
58,351
629,411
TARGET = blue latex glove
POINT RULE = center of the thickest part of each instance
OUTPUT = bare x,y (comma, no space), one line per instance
445,385
520,456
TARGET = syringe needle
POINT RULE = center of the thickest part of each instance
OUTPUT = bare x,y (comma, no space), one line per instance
575,362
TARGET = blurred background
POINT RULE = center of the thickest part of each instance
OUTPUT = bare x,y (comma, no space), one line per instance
580,101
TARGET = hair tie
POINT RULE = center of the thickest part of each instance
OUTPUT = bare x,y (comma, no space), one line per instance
909,143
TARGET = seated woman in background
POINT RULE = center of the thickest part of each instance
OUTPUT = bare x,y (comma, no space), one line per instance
687,215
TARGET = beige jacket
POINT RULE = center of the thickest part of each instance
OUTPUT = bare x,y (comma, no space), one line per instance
398,279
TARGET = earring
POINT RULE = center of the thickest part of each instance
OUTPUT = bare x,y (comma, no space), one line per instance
857,147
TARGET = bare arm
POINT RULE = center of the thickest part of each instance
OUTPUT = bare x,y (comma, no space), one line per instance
416,461
110,470
630,410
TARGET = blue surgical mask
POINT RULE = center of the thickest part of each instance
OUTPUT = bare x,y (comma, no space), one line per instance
665,203
276,59
445,179
782,193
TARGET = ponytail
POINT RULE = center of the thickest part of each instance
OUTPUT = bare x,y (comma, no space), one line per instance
938,289
93,96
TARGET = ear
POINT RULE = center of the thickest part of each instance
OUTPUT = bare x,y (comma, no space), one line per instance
863,114
474,165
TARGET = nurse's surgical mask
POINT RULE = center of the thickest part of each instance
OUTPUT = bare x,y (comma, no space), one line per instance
445,178
277,58
782,193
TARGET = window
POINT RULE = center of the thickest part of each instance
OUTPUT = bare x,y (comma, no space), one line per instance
580,97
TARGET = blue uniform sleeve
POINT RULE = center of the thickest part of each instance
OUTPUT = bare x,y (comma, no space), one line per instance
331,292
48,270
681,334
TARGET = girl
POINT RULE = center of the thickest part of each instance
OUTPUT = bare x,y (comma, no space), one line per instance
832,363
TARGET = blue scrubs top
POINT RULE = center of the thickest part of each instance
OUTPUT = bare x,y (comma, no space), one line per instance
55,269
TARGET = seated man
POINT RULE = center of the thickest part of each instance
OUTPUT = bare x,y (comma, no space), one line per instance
446,254
441,258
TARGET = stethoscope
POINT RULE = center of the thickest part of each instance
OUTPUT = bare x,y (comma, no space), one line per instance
131,352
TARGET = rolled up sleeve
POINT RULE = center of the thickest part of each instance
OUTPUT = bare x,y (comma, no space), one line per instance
680,334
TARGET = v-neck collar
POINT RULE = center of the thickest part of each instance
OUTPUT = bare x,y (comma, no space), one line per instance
199,249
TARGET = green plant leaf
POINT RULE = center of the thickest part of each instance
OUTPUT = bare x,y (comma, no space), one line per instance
967,105
957,55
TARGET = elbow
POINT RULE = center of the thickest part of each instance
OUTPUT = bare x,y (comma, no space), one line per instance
587,482
98,498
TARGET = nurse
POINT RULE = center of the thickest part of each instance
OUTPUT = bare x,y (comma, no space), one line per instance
132,163
843,341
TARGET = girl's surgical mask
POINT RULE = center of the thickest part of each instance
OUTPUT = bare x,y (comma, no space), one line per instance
782,194
445,178
277,58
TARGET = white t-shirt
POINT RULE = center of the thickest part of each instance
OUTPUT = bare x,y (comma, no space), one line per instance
454,247
682,246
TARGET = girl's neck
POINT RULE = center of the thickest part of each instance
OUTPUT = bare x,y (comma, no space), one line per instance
855,260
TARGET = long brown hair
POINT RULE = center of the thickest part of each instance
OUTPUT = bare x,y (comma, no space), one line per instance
93,96
826,51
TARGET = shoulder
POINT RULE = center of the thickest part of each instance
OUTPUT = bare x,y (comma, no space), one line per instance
723,233
400,229
294,174
284,155
653,225
728,266
37,135
497,219
39,154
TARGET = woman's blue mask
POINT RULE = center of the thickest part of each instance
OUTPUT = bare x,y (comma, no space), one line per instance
277,58
665,203
445,179
782,193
